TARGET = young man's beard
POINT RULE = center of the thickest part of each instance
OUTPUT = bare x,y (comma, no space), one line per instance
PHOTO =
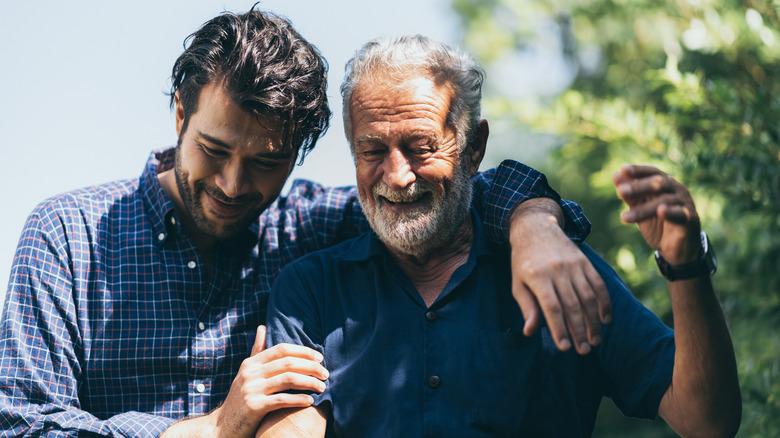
192,196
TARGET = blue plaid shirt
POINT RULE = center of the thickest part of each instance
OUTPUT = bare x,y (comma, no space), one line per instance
110,325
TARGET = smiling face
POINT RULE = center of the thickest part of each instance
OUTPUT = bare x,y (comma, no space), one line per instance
230,165
412,179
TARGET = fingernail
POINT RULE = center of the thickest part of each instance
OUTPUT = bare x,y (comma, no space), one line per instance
607,319
318,356
628,216
624,189
596,340
564,344
322,386
325,373
584,348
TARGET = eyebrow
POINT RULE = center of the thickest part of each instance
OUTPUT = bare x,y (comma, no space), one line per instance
410,137
277,155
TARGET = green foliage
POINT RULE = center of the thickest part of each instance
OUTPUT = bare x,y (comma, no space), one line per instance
692,87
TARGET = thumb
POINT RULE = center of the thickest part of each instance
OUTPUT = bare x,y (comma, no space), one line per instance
259,341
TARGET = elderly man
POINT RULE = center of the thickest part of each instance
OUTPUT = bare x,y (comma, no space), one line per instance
416,319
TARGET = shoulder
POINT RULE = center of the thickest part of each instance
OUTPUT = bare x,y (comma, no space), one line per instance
85,206
304,193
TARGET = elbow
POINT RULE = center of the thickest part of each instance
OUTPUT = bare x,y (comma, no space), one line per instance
729,424
724,422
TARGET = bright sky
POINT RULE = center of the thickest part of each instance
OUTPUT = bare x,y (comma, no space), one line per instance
82,82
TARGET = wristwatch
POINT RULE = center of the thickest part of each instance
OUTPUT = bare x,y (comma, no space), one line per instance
706,264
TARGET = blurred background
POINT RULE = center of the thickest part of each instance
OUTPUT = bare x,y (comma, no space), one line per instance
574,88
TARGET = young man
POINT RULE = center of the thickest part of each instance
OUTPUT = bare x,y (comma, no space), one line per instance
416,320
133,305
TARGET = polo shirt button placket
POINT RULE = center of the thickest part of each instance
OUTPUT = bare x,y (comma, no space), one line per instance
430,315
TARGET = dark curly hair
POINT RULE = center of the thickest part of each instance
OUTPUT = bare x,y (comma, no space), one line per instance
265,66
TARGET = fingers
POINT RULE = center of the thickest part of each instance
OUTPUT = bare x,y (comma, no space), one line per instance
289,350
595,301
291,358
528,306
573,313
601,294
553,313
289,381
632,191
574,316
282,367
259,344
650,208
650,193
557,280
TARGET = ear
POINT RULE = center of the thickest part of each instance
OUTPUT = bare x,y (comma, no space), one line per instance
476,149
179,113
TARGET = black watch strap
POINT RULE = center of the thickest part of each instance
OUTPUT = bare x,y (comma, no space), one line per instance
706,264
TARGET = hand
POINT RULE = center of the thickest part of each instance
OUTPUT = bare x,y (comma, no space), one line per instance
550,271
663,209
259,389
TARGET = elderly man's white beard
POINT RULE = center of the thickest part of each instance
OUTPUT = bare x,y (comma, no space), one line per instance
430,227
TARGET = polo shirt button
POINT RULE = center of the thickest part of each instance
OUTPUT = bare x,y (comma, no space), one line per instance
434,382
192,264
201,326
173,220
200,388
430,315
161,237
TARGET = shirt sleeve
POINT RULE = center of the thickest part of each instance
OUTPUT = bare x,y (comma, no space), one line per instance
293,311
499,190
637,350
41,350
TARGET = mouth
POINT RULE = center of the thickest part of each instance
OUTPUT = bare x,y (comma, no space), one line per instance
406,204
227,210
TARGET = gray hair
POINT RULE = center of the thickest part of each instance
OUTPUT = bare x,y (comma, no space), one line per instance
400,56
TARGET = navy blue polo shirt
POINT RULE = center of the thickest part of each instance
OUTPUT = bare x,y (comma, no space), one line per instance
462,366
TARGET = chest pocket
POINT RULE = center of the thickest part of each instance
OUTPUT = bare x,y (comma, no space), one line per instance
513,385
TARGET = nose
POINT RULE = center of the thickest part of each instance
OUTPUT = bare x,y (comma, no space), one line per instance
233,179
397,172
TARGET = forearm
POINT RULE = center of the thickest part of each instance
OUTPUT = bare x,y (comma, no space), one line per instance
704,397
537,213
304,423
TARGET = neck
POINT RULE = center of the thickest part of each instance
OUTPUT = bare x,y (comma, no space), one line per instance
431,271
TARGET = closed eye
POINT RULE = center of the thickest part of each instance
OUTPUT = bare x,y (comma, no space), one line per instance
216,153
265,165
